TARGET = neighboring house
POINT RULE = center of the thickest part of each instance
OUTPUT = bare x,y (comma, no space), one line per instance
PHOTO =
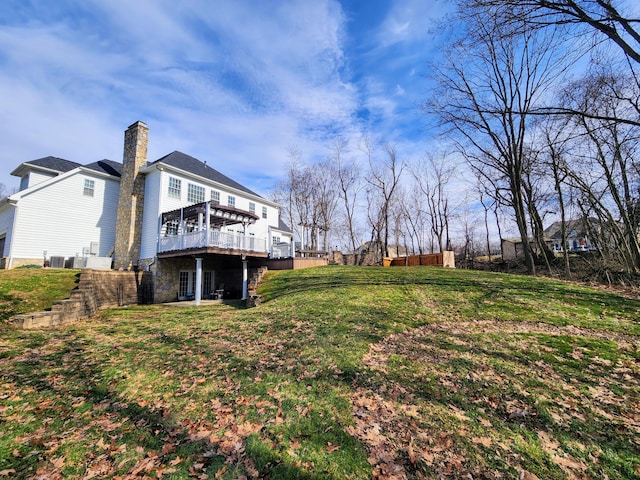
198,232
513,248
577,240
577,233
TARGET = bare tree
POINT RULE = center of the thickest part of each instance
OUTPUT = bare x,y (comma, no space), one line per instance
309,199
414,220
383,179
603,17
325,198
488,86
606,170
349,186
433,176
604,22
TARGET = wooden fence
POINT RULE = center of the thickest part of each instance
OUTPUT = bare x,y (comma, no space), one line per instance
442,259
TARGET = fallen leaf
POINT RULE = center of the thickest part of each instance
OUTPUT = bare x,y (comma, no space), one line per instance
484,441
221,472
411,452
251,469
58,463
331,447
524,475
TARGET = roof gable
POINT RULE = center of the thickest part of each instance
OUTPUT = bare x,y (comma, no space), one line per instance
51,164
193,165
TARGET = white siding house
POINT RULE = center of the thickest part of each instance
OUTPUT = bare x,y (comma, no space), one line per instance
63,215
176,218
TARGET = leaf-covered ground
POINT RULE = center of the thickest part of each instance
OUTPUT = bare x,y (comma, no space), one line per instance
340,373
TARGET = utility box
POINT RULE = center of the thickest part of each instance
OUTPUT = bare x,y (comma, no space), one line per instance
56,262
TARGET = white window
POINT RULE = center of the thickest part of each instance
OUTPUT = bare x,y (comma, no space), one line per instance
89,187
174,187
252,207
195,194
231,201
215,197
264,212
275,240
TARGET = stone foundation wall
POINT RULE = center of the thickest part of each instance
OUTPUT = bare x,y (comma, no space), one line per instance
166,273
19,262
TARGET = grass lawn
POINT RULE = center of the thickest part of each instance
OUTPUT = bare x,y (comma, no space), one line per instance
24,290
341,372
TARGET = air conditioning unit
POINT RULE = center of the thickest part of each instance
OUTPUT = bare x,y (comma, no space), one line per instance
56,262
94,248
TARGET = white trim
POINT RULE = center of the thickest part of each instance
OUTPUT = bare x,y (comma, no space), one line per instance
26,166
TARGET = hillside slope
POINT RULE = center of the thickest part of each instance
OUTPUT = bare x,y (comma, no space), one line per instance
25,290
341,372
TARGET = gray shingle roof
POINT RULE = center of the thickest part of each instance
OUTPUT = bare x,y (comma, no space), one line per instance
53,163
283,227
193,165
106,166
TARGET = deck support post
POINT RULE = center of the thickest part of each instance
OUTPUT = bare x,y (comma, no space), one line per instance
198,288
245,276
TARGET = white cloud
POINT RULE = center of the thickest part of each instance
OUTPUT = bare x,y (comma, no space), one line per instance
232,82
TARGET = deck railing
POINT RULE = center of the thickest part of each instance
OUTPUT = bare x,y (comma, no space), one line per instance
216,239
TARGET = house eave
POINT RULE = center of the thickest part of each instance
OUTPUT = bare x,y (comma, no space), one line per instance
26,166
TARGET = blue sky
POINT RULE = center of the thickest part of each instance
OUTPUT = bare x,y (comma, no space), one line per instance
236,83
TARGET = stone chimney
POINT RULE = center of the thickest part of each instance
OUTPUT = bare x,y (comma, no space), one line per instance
131,200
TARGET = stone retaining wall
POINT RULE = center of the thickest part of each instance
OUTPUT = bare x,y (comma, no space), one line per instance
97,289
